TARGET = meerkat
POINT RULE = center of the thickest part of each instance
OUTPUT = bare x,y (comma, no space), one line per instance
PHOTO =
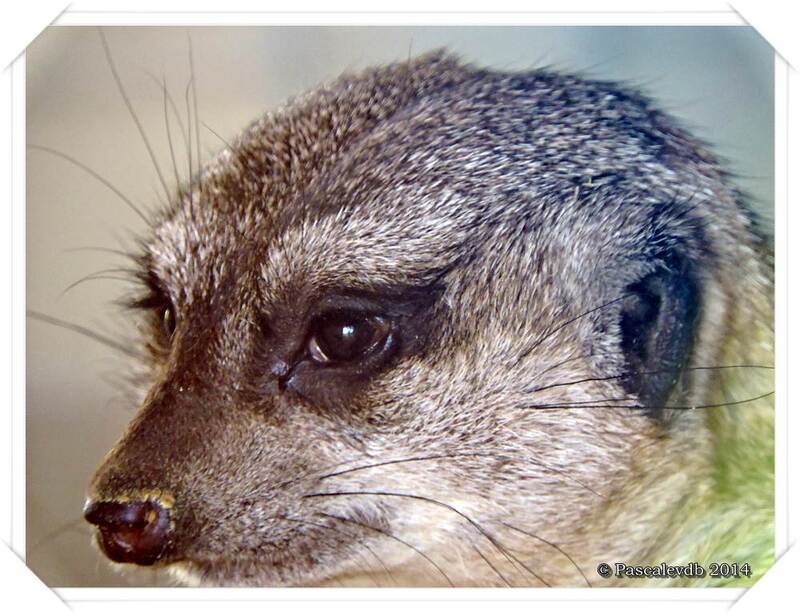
436,325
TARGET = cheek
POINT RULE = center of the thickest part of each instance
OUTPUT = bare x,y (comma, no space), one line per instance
580,456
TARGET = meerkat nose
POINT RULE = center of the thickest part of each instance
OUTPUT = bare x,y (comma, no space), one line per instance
136,532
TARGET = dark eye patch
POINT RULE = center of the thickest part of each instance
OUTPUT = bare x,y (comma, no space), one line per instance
344,339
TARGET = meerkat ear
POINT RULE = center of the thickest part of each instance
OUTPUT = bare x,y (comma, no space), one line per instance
657,324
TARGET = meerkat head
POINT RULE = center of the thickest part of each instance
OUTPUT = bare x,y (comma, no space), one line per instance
422,323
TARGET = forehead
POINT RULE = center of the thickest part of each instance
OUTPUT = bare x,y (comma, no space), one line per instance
370,218
388,238
396,202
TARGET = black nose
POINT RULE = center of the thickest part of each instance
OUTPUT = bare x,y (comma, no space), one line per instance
136,532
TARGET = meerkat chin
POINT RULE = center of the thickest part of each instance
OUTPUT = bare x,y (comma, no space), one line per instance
439,325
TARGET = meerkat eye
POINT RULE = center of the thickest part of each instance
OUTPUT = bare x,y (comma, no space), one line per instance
157,304
347,337
168,320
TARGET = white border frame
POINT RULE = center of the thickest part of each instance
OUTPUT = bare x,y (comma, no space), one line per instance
13,81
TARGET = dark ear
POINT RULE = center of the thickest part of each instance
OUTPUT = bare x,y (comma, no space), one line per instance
657,324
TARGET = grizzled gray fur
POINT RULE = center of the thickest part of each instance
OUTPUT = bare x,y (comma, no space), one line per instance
431,325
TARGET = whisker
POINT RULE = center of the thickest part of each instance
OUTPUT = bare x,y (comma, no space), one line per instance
103,275
119,252
404,460
575,405
552,331
169,135
132,112
592,403
218,135
234,150
341,540
310,474
492,566
94,174
567,361
447,456
595,401
509,556
194,104
99,278
173,107
394,537
504,550
245,167
553,545
187,108
646,372
77,525
189,144
87,332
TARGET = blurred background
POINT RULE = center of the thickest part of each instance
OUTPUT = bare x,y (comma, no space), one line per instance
717,80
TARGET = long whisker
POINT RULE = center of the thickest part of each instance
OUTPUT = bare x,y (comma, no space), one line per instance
553,545
94,174
194,104
104,274
87,332
310,474
403,461
393,537
576,405
78,524
492,566
188,110
567,361
511,558
173,107
189,144
218,135
564,475
132,112
342,540
169,135
119,252
646,372
548,334
98,277
233,150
